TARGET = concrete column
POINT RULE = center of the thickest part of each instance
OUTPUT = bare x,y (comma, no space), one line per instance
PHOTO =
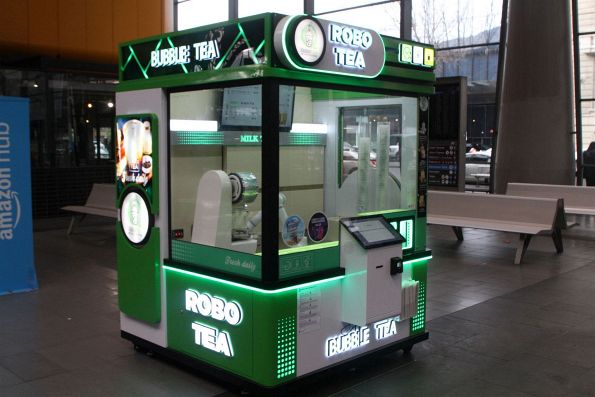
535,144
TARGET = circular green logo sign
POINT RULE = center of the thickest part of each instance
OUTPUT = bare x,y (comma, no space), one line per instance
309,41
136,220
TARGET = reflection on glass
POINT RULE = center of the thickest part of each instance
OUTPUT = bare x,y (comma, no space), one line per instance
216,174
588,113
586,13
340,154
446,23
65,130
472,25
373,139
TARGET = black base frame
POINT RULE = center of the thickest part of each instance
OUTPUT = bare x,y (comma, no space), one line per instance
232,380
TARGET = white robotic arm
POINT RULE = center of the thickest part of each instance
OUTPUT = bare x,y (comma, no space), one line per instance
256,219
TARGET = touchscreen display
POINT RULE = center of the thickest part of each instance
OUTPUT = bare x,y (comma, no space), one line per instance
372,232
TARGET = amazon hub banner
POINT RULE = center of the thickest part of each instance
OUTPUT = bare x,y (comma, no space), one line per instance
17,271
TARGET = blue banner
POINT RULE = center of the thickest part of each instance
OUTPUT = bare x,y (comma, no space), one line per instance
17,270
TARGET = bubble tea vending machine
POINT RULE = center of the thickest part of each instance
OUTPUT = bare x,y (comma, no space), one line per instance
272,195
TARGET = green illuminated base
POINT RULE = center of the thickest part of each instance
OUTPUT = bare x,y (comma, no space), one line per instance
259,343
252,332
233,379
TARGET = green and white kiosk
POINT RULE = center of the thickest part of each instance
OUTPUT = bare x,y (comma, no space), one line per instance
271,187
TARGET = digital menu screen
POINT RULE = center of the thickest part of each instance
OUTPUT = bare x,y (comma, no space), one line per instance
242,108
443,160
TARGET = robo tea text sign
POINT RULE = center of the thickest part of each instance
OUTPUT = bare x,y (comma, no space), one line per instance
218,309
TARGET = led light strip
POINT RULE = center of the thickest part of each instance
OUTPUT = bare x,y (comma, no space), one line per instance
425,258
255,289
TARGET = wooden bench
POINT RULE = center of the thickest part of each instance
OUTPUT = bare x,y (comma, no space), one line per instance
523,215
101,202
578,200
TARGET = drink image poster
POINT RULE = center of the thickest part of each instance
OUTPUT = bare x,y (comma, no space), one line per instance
135,152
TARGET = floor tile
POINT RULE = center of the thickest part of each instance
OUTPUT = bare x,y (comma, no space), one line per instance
8,378
30,366
476,388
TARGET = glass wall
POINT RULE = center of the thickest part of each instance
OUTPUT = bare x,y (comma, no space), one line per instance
466,34
586,14
383,18
288,7
71,133
333,5
340,154
204,167
72,116
192,13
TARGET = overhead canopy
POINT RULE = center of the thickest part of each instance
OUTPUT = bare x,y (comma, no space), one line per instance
271,45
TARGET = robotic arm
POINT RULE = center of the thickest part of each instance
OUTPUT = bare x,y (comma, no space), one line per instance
256,219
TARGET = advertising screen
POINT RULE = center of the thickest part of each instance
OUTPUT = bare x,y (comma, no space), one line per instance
136,152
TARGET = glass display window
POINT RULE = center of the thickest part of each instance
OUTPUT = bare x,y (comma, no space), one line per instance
216,172
339,154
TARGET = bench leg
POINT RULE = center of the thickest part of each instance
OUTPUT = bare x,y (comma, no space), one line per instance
524,241
76,219
458,232
557,237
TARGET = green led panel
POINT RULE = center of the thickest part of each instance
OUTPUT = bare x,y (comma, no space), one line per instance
418,260
304,138
286,347
240,138
249,287
197,138
406,230
418,323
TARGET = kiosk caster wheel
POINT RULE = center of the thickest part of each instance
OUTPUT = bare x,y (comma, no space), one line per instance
143,350
407,350
139,348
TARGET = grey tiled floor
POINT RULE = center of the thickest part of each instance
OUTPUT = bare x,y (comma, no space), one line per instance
496,329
